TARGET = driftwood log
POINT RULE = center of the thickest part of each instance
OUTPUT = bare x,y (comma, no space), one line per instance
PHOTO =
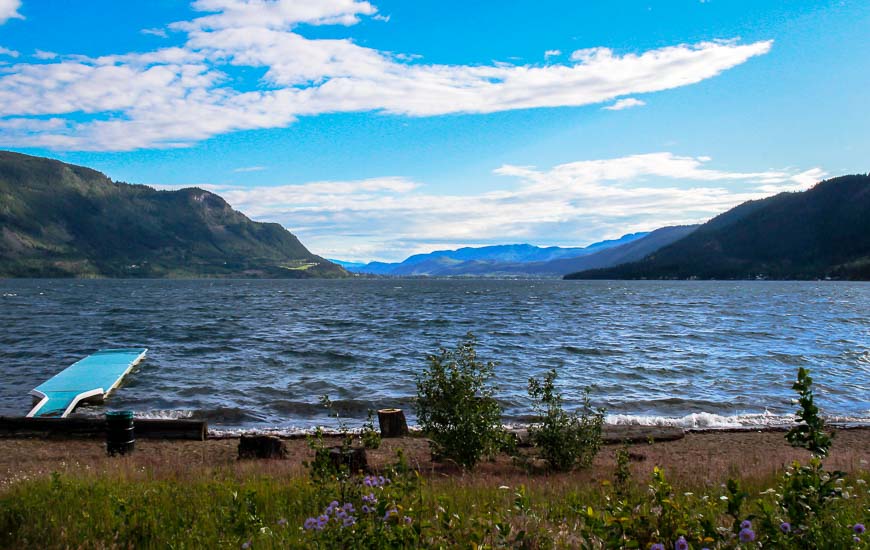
392,423
261,446
354,458
146,428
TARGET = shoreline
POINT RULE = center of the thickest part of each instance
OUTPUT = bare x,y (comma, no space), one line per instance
710,455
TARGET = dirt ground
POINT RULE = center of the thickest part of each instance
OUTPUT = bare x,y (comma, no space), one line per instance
708,457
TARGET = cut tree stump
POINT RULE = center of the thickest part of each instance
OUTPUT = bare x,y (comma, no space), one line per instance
354,458
261,446
392,423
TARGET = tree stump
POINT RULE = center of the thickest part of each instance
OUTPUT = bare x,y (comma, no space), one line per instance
354,458
392,423
261,446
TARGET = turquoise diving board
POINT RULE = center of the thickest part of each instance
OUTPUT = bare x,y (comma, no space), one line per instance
91,378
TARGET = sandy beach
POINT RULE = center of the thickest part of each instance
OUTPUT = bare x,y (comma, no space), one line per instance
709,457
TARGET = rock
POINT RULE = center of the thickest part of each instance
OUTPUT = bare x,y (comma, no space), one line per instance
261,446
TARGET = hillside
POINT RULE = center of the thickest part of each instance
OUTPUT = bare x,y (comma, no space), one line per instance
61,220
818,233
483,261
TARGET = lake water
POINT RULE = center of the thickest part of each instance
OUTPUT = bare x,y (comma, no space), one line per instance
257,354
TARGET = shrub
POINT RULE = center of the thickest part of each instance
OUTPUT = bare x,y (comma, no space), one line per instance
565,440
455,406
371,437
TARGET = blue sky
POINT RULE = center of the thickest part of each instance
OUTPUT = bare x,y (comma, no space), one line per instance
375,130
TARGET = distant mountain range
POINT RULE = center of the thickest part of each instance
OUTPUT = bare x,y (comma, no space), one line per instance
61,220
525,260
819,233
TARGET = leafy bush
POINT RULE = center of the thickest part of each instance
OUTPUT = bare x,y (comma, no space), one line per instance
810,431
455,405
565,440
371,437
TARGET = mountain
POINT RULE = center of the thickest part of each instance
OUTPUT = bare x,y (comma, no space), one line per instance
628,252
481,261
61,220
818,233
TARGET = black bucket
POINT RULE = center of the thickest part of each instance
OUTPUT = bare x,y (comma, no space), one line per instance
119,432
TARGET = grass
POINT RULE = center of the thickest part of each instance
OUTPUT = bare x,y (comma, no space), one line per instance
226,508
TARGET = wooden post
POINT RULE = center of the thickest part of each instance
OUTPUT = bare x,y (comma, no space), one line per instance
392,423
261,446
354,458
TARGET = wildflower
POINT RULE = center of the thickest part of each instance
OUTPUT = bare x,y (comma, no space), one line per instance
348,507
856,539
389,513
785,527
681,544
310,523
407,520
381,480
859,528
657,546
332,507
746,524
367,509
322,521
246,545
746,535
341,514
348,521
369,498
282,522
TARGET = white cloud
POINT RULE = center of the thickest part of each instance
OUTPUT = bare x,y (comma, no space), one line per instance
9,10
249,169
581,202
161,33
552,53
626,103
44,55
7,51
173,97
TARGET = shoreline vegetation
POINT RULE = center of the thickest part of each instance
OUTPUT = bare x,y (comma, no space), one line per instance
464,483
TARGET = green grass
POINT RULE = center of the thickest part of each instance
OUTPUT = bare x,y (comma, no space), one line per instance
219,510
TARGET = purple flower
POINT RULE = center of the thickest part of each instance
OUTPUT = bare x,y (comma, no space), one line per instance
407,520
282,522
348,508
746,524
370,498
389,513
785,527
856,539
859,528
332,507
348,521
246,545
341,514
322,521
681,544
367,509
310,523
381,480
746,535
657,546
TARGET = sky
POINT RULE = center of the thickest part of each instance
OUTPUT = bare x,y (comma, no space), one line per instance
374,130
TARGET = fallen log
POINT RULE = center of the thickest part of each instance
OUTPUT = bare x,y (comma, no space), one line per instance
145,428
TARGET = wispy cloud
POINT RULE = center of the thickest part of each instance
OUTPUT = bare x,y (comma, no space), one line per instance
250,169
626,103
7,51
155,32
42,54
9,10
174,97
552,53
581,202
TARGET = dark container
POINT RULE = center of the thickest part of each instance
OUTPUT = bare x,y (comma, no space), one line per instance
119,432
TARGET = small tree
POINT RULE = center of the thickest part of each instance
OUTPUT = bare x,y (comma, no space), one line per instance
810,431
565,439
455,405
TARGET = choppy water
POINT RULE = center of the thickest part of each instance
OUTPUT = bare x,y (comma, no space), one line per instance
257,354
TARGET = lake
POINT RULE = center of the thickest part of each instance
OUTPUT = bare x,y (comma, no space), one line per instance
246,354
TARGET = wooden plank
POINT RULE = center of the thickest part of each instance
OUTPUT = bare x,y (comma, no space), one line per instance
93,377
143,428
